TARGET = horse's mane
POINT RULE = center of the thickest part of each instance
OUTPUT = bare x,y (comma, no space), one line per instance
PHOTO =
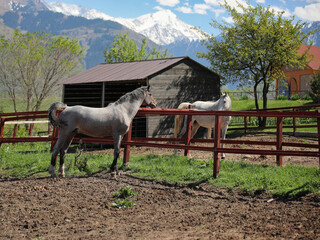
136,94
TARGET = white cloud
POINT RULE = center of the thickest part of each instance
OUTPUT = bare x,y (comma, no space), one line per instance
309,12
228,19
213,2
286,13
170,3
261,1
158,8
232,3
201,8
184,9
218,11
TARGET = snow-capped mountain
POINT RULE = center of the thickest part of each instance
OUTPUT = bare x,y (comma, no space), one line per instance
75,10
162,27
315,39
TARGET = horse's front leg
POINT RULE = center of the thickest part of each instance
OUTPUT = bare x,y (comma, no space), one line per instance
224,127
223,137
116,152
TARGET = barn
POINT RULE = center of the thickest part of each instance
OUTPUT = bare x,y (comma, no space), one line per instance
172,80
297,79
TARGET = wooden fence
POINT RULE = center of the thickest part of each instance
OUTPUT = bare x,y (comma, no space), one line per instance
185,143
247,119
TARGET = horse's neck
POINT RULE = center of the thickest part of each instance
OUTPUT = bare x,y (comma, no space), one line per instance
131,107
212,105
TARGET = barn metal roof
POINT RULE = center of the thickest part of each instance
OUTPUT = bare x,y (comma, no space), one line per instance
125,71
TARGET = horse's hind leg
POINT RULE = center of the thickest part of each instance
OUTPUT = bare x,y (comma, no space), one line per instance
55,152
116,151
63,151
194,129
54,160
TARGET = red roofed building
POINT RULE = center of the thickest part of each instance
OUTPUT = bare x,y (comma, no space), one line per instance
299,79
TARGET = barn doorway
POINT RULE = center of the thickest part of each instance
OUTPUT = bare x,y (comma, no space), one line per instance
113,91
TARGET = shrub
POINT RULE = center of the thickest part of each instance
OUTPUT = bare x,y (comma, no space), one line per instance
307,97
295,97
282,97
244,98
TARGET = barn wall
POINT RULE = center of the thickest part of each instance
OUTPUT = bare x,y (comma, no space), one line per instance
90,95
185,82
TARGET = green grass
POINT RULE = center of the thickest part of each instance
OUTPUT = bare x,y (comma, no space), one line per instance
6,104
287,182
243,105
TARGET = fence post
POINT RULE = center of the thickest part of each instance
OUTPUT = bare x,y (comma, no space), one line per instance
54,137
294,123
2,120
49,128
217,133
126,153
15,131
188,133
318,126
31,129
245,125
279,139
55,134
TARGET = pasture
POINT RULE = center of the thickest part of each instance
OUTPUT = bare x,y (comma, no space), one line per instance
176,198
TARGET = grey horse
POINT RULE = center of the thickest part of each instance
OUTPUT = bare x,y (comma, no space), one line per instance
111,121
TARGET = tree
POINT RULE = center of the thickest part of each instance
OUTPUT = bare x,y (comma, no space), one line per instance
255,48
31,64
315,87
124,49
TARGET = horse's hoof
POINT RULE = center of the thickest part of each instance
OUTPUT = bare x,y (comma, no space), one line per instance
114,175
53,176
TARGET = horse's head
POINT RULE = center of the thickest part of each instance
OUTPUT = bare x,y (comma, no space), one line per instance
226,100
148,99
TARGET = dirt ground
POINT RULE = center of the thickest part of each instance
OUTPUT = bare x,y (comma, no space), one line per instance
80,208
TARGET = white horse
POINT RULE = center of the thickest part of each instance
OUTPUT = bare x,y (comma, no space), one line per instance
111,121
223,104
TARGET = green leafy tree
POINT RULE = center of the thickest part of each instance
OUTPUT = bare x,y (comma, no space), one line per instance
315,87
124,49
255,47
31,64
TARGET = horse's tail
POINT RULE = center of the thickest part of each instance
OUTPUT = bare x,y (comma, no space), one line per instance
52,112
178,119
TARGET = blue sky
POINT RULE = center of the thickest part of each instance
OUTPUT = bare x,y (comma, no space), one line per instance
198,13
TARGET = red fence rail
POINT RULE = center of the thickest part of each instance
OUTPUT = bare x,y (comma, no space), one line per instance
294,126
185,143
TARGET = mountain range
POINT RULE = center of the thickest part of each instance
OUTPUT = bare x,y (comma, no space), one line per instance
162,27
96,30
